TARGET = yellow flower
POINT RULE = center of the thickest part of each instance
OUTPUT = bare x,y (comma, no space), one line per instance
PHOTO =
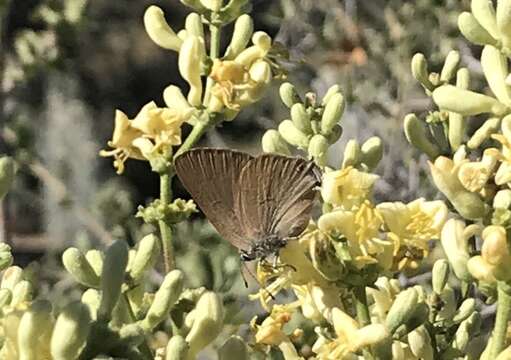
361,228
474,175
271,332
350,337
153,130
503,174
347,187
411,226
383,296
316,301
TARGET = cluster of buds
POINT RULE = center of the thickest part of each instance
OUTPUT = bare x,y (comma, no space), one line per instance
313,126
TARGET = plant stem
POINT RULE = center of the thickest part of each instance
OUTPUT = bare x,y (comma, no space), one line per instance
165,229
144,347
214,52
501,320
198,130
360,301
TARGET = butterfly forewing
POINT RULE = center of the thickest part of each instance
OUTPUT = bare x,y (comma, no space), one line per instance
211,176
276,195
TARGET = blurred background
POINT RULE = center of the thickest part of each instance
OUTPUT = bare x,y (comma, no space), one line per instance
66,65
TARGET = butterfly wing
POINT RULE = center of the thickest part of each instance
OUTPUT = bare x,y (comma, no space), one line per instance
276,195
211,176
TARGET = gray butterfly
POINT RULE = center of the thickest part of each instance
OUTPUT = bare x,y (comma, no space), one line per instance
256,203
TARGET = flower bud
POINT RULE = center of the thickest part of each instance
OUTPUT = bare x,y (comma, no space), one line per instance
233,348
11,276
260,72
418,135
504,21
372,152
402,309
466,308
159,30
502,199
243,30
489,127
5,256
495,69
484,13
145,257
332,113
481,270
207,324
352,154
262,44
78,266
70,332
92,298
301,118
5,297
288,94
131,334
335,133
177,348
420,71
165,297
420,343
189,64
473,31
465,102
455,245
7,173
292,135
448,300
332,90
22,292
467,331
318,148
450,65
34,329
213,5
112,277
272,142
193,25
440,275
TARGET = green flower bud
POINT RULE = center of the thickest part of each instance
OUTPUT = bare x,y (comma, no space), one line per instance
332,113
5,256
457,121
189,63
372,152
420,71
450,65
332,90
440,275
418,317
489,127
417,134
272,142
233,348
145,256
463,78
70,332
132,334
159,30
473,31
465,102
402,309
420,343
78,266
504,21
495,70
92,298
165,297
466,308
213,5
95,259
318,148
301,118
288,94
112,277
448,298
352,154
5,297
22,292
34,330
502,199
193,25
292,135
207,324
467,331
243,30
7,173
11,276
484,13
335,133
177,348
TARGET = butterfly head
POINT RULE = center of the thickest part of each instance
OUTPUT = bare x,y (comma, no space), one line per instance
268,246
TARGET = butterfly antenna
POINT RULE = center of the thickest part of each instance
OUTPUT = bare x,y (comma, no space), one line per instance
252,275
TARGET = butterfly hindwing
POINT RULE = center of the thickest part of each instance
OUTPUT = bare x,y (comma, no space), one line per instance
211,176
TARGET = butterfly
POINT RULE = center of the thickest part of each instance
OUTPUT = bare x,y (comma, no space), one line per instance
256,203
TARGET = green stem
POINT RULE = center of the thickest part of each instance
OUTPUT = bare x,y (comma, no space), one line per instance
501,320
165,229
214,52
360,301
198,130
